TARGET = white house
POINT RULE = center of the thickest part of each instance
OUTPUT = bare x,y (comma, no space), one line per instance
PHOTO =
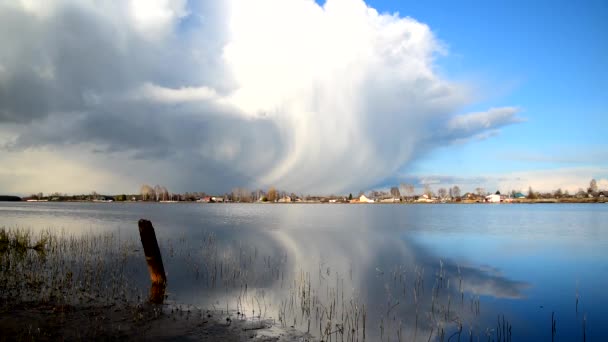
493,198
364,199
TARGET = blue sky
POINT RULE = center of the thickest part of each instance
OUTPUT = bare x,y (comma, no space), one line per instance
550,58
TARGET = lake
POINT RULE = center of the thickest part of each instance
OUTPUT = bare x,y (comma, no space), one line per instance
391,272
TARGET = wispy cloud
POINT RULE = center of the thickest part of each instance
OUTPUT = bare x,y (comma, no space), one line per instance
561,155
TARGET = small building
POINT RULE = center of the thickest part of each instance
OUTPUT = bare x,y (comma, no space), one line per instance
285,199
364,199
469,196
493,198
424,199
519,195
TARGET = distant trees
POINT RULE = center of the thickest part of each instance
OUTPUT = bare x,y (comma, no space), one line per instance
455,191
558,193
428,191
531,193
581,193
272,194
480,191
395,192
442,192
592,186
158,193
241,195
146,192
407,190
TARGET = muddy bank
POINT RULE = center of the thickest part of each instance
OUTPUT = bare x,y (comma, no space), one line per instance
51,322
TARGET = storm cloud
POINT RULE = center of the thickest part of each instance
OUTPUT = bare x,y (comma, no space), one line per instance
211,95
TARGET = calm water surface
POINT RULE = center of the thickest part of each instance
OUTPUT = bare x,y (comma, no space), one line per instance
413,270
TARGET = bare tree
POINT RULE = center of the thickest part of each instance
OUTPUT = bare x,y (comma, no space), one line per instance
272,194
442,192
164,193
407,189
146,192
241,195
245,194
395,192
581,193
157,192
480,191
456,191
558,193
428,191
593,186
531,193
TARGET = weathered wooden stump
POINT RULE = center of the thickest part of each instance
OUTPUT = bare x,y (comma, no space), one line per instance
154,260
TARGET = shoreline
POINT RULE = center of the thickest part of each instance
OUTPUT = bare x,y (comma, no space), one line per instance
515,201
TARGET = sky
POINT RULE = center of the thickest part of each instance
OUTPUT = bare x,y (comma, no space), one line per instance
321,97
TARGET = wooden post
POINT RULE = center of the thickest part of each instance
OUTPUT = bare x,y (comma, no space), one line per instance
157,293
154,260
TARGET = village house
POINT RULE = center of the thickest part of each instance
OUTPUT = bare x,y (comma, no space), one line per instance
494,198
364,199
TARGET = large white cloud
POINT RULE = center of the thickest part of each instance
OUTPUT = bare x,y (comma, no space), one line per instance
284,92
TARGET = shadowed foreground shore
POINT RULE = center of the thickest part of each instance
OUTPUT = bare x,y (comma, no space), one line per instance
49,322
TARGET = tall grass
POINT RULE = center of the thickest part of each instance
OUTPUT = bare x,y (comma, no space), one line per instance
64,269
